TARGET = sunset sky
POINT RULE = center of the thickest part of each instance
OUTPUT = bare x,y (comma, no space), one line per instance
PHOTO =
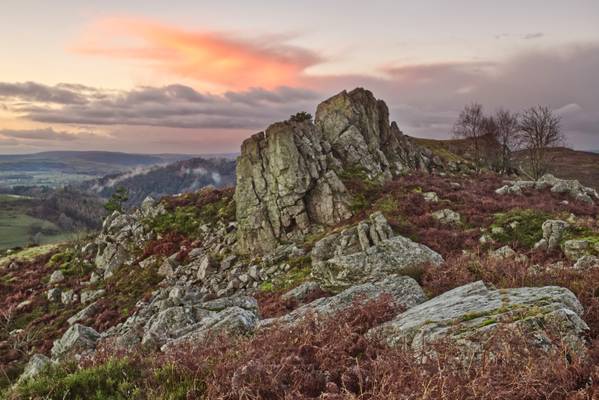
193,76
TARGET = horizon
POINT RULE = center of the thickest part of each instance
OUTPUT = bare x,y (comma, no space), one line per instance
199,78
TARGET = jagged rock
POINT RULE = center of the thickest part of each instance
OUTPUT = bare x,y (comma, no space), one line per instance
89,250
287,178
84,314
447,216
367,252
301,292
553,232
577,248
37,363
404,291
354,239
56,277
470,314
357,127
167,268
285,183
110,257
503,253
587,262
76,340
53,295
430,197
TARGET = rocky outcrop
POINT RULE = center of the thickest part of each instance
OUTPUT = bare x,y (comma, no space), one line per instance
572,188
288,177
404,291
286,181
178,314
471,313
367,252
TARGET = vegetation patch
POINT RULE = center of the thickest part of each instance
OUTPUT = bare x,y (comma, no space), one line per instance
521,227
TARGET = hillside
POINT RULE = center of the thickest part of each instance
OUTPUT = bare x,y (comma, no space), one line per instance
573,164
58,168
162,180
349,262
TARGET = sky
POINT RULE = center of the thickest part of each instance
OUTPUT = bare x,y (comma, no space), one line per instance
198,77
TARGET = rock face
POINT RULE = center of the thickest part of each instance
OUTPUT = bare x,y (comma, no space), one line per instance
75,341
367,252
288,177
473,312
403,290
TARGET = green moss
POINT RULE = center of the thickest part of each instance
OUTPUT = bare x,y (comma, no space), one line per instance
116,379
521,226
301,268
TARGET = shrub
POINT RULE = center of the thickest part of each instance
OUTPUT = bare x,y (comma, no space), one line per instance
301,116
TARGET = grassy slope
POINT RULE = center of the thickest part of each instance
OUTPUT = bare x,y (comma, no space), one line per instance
15,224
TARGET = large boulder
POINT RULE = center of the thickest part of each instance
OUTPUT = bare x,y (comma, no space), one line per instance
472,313
76,340
403,290
367,252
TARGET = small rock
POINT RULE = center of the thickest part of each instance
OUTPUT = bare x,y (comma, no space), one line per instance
430,197
56,277
37,363
576,248
447,216
54,295
68,297
301,292
587,262
91,295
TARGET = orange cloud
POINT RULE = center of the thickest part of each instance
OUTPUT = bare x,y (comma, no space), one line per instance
208,58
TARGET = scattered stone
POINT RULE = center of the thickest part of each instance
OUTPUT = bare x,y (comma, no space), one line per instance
447,217
68,297
430,197
470,314
91,295
571,187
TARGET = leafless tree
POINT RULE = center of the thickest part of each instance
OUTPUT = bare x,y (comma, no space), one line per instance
539,130
506,131
471,125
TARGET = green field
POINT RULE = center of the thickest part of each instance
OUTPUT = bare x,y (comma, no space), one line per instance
16,226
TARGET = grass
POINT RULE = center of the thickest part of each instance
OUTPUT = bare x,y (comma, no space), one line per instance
29,254
15,230
520,226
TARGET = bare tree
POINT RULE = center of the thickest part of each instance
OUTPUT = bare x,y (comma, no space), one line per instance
471,125
539,130
506,130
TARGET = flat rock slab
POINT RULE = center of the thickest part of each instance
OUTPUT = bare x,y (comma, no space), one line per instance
469,312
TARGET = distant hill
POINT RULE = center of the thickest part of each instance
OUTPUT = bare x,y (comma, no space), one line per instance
58,168
162,180
573,164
